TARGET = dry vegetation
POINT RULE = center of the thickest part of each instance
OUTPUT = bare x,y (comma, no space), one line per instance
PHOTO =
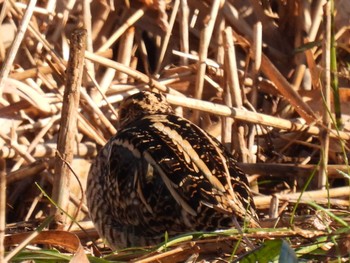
277,79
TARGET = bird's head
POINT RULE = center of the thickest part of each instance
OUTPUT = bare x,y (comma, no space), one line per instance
142,104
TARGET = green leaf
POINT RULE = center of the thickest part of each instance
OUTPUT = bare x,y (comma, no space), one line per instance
41,256
271,251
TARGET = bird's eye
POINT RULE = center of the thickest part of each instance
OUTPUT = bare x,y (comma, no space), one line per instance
159,97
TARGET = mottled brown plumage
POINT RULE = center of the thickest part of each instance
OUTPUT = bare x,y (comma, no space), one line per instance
161,173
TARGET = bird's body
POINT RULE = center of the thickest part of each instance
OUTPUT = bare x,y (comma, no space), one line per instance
161,173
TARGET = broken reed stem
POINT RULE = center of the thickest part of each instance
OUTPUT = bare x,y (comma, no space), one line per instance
205,38
235,93
68,125
316,21
226,130
125,56
326,93
184,30
2,209
169,31
90,67
256,57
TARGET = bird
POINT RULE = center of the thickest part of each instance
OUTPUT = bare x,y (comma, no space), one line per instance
161,174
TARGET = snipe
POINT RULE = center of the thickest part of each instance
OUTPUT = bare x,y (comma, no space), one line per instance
162,173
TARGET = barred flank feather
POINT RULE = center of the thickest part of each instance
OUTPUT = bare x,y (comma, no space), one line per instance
161,172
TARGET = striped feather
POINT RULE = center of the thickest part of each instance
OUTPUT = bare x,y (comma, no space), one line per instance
160,173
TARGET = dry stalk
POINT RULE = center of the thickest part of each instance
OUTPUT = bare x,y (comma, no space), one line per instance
125,54
291,170
287,90
256,56
184,31
122,28
165,42
48,150
226,129
17,148
21,246
28,171
203,52
68,125
251,117
316,21
272,73
90,68
326,91
2,209
90,130
138,76
31,73
36,140
234,91
310,196
45,44
98,112
177,254
7,65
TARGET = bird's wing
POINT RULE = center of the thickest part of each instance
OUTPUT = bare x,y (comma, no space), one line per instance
140,198
194,167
